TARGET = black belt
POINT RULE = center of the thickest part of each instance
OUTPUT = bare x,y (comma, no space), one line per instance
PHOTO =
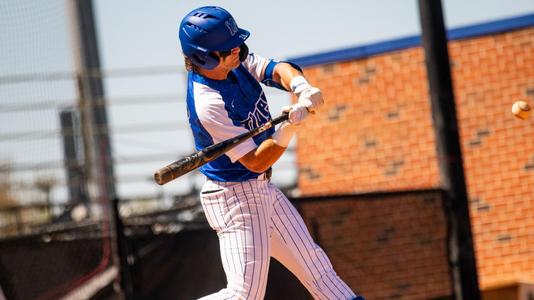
267,174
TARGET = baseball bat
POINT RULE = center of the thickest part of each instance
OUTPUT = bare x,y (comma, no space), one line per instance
210,153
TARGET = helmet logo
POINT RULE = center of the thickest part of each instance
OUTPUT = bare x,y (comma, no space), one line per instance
231,25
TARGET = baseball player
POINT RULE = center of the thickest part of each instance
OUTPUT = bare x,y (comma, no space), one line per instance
253,219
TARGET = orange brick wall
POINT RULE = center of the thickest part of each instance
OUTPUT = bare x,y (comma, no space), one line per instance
375,134
374,131
384,246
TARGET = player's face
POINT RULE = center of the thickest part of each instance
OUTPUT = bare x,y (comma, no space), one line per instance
230,58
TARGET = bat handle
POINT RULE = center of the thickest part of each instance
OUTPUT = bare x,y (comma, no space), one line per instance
283,117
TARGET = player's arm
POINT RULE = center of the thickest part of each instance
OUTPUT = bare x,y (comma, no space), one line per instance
283,73
289,78
269,151
285,76
263,157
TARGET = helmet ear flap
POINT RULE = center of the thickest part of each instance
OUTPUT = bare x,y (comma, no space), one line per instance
215,57
208,61
243,52
197,59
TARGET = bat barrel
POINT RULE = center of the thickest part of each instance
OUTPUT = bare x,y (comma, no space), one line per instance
179,168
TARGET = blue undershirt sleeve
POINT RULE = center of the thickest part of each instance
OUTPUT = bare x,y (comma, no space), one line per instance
268,76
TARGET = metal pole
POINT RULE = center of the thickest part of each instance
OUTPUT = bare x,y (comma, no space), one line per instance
126,257
70,130
92,101
460,241
97,143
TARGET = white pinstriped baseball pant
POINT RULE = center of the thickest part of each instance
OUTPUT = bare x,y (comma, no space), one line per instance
254,221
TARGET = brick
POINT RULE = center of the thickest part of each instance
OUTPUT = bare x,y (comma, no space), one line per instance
386,118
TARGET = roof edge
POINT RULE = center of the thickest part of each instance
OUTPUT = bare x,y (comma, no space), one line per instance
482,29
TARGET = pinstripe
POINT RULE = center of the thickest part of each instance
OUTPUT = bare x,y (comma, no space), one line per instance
298,230
272,197
307,284
217,226
328,266
270,210
211,200
237,234
263,233
280,233
208,216
314,253
221,209
340,285
222,230
228,234
298,249
204,207
273,213
253,244
227,251
261,241
244,246
344,289
273,216
261,248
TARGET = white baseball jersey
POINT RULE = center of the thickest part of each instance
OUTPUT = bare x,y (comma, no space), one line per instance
222,109
253,219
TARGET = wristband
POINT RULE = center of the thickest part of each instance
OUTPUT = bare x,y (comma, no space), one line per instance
298,84
284,134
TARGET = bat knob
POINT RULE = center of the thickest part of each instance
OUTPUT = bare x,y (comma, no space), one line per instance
163,176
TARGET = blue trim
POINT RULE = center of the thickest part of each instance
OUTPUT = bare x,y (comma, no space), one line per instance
413,41
268,74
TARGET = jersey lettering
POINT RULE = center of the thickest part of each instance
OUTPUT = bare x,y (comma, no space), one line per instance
259,115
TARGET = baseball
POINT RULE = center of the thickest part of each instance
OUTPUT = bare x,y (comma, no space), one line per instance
521,109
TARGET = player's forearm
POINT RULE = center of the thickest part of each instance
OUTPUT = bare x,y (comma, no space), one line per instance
263,157
293,80
283,73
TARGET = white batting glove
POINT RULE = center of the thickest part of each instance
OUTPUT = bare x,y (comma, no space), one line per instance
310,97
297,113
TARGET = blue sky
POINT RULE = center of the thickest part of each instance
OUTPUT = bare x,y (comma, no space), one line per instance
279,28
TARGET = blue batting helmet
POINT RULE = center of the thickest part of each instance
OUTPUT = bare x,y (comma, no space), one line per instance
208,29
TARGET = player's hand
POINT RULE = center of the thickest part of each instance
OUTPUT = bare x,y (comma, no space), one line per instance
311,98
297,113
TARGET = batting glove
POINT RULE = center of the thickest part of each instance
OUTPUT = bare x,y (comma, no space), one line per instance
297,113
310,97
